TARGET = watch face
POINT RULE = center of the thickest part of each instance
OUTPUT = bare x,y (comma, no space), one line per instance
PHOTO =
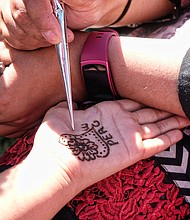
96,80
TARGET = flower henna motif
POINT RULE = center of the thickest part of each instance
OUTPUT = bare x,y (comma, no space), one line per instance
94,143
83,148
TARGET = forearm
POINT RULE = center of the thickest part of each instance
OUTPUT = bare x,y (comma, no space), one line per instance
143,11
137,12
31,190
145,70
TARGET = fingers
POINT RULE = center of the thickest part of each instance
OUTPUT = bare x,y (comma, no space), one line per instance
41,13
160,127
10,29
13,34
2,68
4,54
149,115
129,105
162,134
21,39
70,35
30,24
160,143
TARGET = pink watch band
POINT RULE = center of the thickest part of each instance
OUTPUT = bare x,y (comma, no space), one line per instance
95,53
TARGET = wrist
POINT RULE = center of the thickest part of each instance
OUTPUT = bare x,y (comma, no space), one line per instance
117,64
30,188
40,182
78,88
95,66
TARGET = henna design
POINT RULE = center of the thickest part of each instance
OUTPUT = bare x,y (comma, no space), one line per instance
94,143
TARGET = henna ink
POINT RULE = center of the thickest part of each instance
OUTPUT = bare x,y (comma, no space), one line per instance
94,143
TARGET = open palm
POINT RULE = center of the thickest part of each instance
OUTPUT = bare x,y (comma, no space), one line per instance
107,137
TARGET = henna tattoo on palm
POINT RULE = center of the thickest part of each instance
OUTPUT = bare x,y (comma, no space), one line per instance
94,143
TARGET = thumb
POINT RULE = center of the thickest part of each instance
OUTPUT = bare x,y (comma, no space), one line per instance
41,13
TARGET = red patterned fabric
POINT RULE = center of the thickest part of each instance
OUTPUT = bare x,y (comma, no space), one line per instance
138,192
19,150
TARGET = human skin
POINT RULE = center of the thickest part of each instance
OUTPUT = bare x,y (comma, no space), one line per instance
31,24
124,131
32,83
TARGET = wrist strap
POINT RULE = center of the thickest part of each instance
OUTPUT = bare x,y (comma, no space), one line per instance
125,10
95,67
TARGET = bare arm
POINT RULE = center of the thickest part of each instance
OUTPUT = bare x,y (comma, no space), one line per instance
145,70
143,11
30,24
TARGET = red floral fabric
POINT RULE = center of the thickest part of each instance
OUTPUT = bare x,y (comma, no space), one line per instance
19,150
141,191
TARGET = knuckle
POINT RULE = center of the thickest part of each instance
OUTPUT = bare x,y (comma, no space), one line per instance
169,141
161,127
178,122
20,15
14,43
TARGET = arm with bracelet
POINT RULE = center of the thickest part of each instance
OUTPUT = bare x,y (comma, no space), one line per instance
96,68
140,69
39,27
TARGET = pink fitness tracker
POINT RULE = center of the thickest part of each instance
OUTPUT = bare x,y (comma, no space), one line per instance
95,67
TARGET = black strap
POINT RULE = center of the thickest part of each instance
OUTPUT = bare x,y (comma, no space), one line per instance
123,13
176,12
184,84
177,8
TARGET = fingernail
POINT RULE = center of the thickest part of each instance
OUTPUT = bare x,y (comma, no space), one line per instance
51,37
2,68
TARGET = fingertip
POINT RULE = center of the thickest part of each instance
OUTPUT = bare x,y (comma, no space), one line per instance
52,36
70,35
